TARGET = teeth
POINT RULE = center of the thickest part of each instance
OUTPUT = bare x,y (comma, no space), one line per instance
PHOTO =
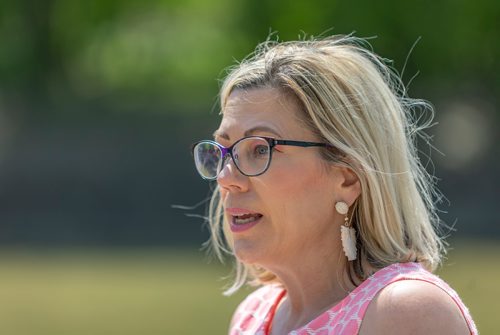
246,218
243,221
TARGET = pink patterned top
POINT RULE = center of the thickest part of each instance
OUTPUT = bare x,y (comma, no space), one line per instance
255,313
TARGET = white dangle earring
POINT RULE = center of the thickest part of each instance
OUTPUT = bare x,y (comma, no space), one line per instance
347,233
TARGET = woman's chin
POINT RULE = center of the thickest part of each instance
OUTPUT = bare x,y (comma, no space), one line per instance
247,252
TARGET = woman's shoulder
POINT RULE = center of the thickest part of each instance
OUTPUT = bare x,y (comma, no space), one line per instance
415,301
415,306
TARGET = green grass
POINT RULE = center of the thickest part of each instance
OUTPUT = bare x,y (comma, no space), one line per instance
473,270
163,291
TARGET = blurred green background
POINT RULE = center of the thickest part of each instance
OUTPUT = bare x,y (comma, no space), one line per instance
100,101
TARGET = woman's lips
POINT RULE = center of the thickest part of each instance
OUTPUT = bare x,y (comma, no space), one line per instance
241,219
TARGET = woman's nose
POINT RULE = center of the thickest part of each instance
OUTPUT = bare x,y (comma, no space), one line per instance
231,178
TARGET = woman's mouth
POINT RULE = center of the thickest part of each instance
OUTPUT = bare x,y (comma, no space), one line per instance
241,219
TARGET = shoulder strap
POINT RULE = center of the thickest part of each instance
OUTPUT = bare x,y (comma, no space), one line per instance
254,312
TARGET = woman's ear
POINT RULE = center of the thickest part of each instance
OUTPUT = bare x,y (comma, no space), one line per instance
350,186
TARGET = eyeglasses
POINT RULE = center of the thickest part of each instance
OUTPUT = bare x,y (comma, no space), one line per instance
251,155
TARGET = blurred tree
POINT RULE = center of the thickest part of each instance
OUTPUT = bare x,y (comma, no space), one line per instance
27,55
162,51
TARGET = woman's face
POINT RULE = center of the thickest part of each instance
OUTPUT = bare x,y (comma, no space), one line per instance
288,212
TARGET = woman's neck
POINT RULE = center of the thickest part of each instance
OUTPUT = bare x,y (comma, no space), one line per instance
312,288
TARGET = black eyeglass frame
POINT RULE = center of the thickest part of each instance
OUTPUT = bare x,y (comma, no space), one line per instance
272,142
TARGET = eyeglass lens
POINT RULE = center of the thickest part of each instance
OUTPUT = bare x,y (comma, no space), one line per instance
207,157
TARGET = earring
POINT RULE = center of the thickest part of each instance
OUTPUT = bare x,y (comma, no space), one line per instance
347,233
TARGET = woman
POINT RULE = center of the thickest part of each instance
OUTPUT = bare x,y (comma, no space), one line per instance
322,199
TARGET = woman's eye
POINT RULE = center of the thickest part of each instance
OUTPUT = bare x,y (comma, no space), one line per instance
261,150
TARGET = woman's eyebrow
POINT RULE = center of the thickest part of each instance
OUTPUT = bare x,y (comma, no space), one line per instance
221,134
261,129
249,132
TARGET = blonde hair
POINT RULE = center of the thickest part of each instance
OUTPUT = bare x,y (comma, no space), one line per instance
351,99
